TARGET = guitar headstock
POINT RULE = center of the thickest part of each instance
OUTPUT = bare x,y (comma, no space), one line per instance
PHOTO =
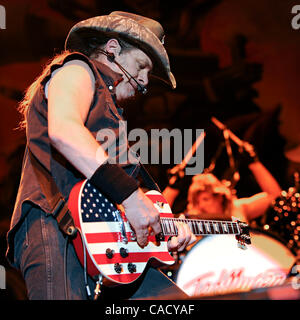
243,237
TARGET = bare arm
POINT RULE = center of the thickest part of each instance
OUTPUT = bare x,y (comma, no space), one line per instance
265,179
70,95
257,205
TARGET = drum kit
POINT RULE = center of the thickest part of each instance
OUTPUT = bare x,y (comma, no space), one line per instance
216,267
284,218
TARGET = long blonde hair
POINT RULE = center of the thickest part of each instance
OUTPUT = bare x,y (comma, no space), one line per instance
93,49
32,89
208,182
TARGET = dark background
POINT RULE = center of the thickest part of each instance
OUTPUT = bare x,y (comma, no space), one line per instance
235,60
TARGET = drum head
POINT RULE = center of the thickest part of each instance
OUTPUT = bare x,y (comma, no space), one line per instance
215,265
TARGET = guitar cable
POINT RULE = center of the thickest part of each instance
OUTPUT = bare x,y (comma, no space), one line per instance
87,287
65,269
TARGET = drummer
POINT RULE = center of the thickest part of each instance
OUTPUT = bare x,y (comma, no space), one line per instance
209,198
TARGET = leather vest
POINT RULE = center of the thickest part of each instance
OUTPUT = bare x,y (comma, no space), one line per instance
103,114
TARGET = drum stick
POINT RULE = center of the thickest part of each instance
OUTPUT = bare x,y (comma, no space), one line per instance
193,149
232,136
189,154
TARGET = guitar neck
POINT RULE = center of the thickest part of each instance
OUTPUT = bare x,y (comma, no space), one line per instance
200,227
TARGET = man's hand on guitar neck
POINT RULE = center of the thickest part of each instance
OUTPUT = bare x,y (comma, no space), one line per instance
143,217
184,237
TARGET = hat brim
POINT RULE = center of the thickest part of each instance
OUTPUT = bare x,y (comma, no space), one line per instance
128,30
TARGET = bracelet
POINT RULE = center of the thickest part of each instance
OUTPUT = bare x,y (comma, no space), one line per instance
114,182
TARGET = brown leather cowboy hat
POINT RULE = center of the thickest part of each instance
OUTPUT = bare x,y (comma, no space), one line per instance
142,32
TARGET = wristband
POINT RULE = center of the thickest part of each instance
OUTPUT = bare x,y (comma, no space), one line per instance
251,158
248,157
114,182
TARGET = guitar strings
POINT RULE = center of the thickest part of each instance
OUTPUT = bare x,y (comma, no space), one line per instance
169,227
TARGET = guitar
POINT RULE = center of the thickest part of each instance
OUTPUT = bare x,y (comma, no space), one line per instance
107,245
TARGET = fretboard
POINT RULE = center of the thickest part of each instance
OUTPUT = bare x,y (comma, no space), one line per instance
200,227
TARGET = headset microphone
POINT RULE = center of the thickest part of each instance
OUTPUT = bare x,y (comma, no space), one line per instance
111,58
142,89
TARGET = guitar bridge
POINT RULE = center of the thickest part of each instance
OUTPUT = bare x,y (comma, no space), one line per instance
132,236
124,238
121,222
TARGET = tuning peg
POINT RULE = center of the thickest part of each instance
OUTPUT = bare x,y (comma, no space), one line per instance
241,245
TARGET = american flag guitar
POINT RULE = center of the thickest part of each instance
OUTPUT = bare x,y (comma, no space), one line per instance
109,245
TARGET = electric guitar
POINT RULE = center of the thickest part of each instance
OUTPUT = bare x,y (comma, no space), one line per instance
107,245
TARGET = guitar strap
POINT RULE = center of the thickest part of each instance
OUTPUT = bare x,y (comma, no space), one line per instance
58,205
149,181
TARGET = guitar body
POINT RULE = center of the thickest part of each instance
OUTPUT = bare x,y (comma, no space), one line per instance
108,241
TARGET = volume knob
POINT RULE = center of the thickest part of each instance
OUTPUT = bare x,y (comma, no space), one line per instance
131,267
109,253
118,267
124,252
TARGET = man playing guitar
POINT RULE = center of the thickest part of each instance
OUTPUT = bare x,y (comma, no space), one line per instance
107,60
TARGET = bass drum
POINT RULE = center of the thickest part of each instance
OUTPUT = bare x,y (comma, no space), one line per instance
216,265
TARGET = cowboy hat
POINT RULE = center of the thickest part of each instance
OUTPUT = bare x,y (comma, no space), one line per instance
142,32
